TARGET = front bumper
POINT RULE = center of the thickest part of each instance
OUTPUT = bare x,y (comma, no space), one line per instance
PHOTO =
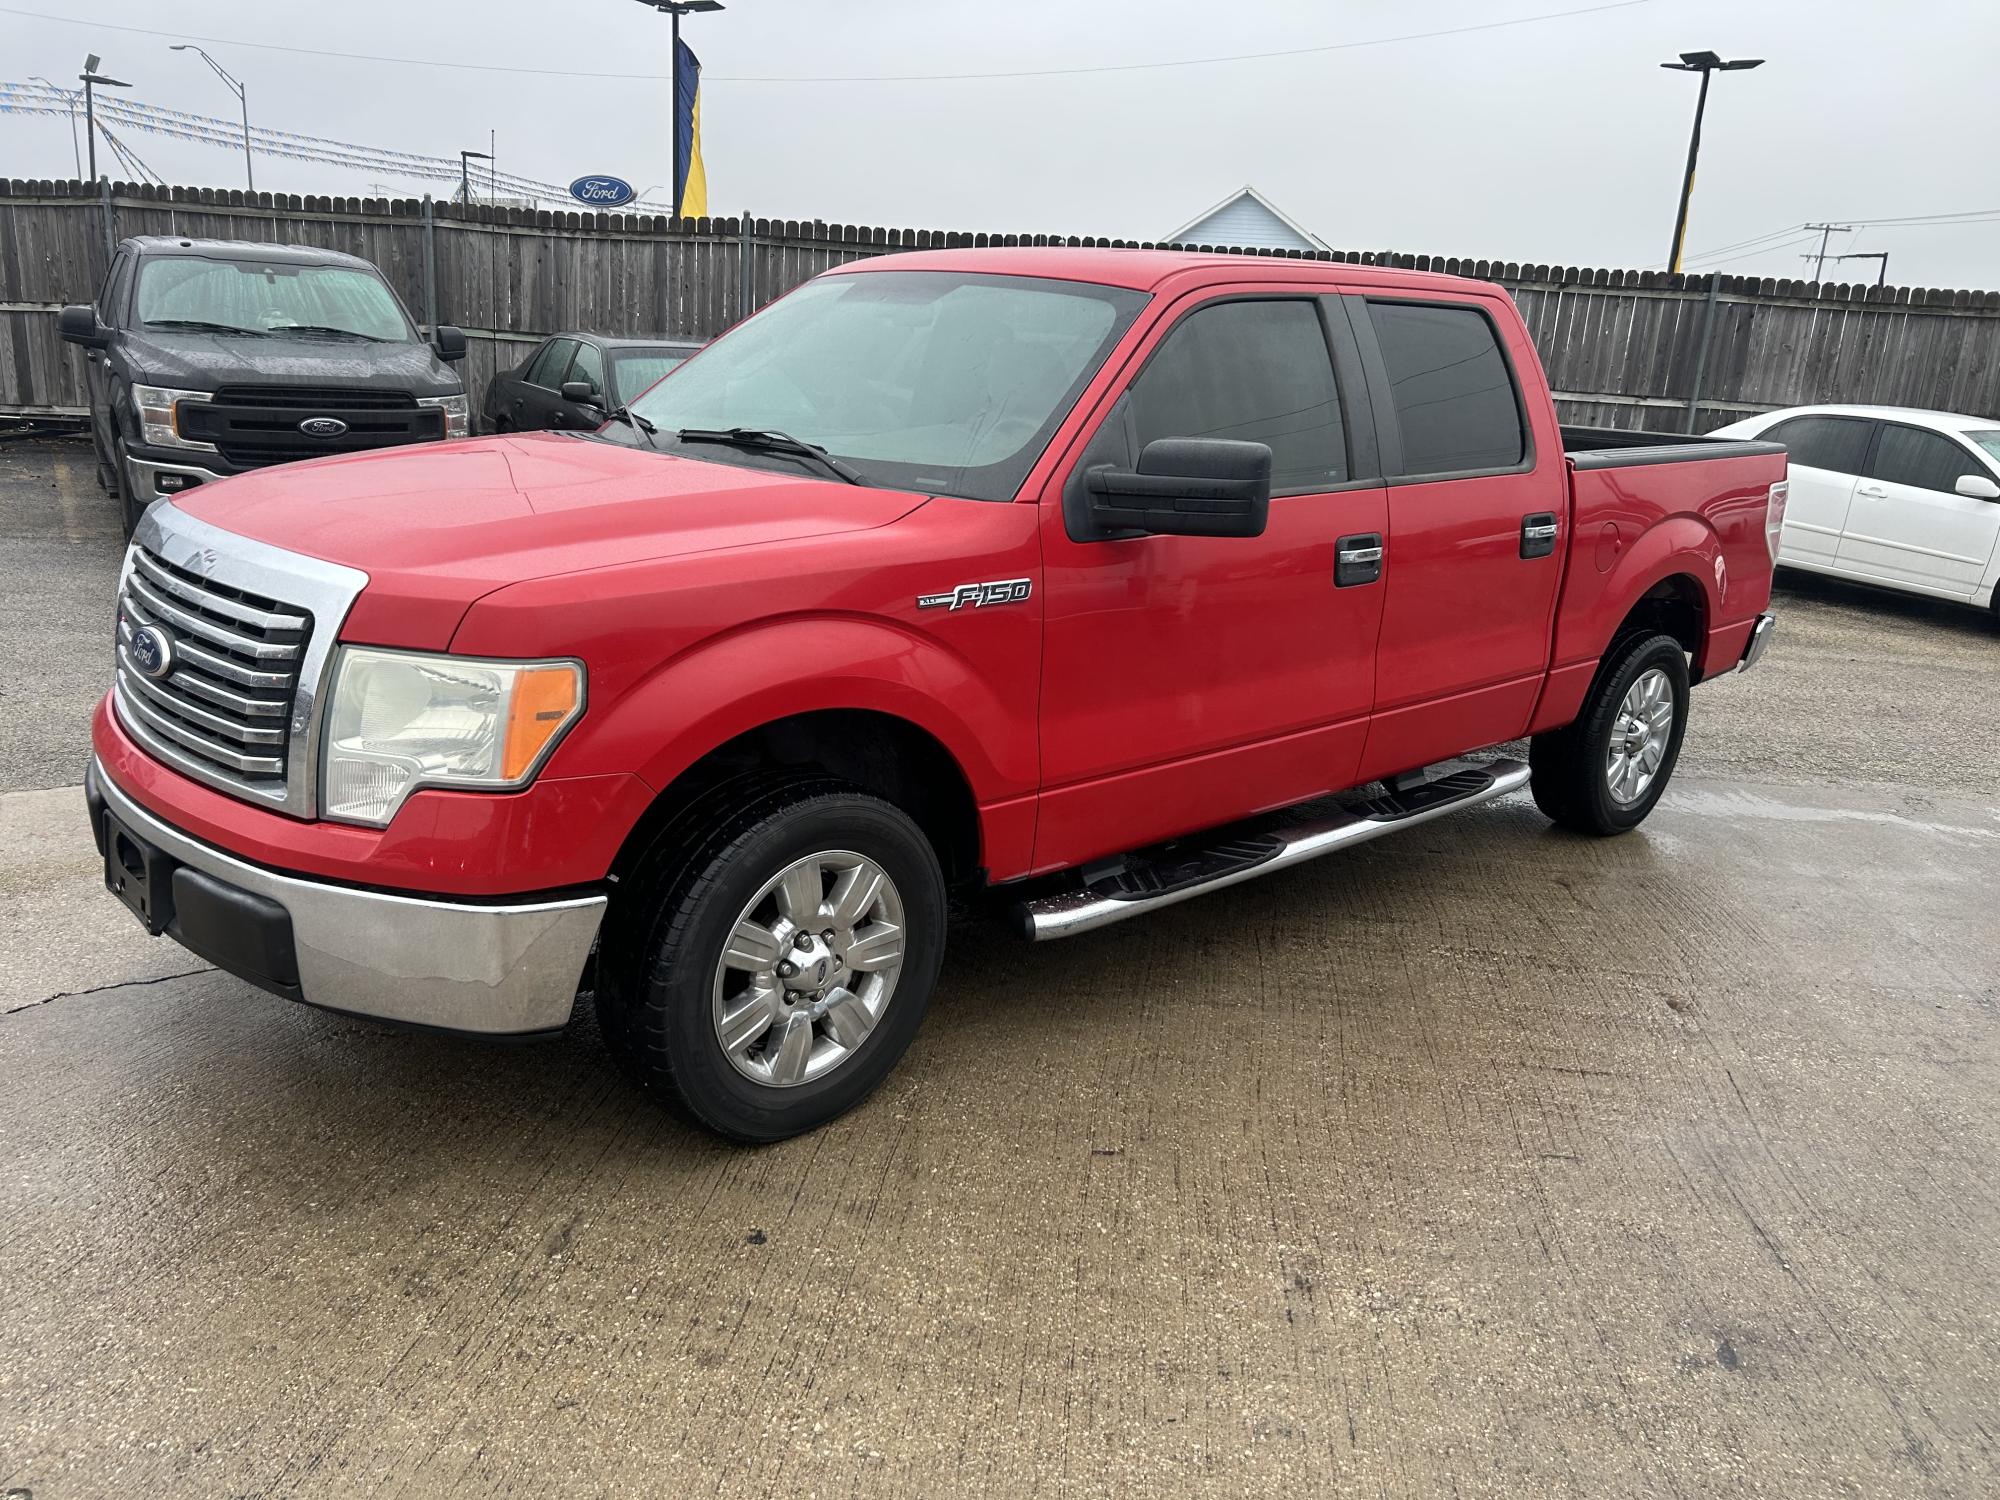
505,967
1760,640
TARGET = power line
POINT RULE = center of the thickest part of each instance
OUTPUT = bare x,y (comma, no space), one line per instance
1187,62
1803,239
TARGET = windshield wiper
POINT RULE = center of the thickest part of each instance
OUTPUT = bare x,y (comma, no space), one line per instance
770,440
200,325
637,423
351,333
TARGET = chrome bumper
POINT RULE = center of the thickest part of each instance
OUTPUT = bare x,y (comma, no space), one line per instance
1760,639
503,968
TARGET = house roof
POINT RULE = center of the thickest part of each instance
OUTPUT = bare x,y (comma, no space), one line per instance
1247,191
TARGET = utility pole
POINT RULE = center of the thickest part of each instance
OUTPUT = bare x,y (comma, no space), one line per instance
90,78
1826,232
242,99
465,173
677,9
1703,63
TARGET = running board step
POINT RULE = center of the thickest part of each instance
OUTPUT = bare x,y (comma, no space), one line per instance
1194,868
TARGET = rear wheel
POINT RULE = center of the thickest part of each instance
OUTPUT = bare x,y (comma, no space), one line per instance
1604,773
765,973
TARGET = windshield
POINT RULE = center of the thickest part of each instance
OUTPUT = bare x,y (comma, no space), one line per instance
935,381
1988,439
632,370
257,297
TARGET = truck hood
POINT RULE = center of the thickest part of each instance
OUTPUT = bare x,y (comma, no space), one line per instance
436,526
204,361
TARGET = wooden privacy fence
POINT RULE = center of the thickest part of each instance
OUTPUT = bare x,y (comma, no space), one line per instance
1622,348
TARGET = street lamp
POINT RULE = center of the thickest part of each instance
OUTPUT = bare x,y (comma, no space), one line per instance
69,98
677,9
90,78
465,158
1703,63
242,99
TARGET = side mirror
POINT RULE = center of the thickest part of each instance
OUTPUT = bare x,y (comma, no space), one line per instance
1185,487
450,342
79,325
582,392
1972,486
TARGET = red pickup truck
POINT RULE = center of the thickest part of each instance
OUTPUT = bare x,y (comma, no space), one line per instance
1073,575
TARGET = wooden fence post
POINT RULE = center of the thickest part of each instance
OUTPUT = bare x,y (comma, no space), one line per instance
746,247
110,219
1701,353
430,267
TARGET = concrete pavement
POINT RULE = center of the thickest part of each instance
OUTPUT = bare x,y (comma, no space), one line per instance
1481,1160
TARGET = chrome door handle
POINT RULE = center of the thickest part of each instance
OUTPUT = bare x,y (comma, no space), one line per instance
1873,492
1360,554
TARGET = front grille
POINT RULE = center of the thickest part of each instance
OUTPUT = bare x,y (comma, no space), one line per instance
233,672
251,426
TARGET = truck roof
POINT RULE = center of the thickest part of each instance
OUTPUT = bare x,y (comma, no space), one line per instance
285,255
1148,270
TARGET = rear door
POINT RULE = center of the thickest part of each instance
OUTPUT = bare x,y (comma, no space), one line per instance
1909,524
1827,455
1478,526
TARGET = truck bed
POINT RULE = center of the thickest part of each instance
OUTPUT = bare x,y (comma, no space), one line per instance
1622,447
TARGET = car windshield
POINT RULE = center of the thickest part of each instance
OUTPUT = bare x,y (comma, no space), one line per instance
936,381
633,370
261,297
1988,438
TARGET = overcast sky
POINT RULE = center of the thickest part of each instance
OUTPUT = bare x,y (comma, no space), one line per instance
1559,140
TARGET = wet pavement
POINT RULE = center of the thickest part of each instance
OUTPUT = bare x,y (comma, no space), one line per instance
1480,1160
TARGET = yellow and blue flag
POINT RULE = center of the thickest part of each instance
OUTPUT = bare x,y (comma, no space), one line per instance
691,192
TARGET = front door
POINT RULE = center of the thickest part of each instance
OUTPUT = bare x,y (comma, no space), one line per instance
1909,524
1826,456
1188,681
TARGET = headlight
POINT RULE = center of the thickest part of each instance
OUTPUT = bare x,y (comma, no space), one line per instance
457,415
158,424
400,721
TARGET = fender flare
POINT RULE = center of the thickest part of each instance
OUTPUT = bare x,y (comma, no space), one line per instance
1678,545
728,685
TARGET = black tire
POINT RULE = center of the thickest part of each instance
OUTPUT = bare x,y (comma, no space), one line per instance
1569,779
665,936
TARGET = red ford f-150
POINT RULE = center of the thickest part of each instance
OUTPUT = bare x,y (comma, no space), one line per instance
1076,574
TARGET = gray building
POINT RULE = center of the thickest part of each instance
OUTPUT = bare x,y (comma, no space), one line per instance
1246,220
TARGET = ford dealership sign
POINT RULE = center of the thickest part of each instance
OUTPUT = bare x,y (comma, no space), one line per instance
602,192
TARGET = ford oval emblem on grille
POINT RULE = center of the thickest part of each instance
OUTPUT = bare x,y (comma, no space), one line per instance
152,651
322,427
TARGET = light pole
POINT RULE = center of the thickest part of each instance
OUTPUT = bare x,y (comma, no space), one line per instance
465,158
69,98
1703,63
677,9
242,98
90,78
1882,274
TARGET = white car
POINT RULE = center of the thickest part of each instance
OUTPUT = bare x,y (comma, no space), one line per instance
1880,494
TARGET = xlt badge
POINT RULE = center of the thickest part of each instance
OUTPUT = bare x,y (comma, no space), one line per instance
979,595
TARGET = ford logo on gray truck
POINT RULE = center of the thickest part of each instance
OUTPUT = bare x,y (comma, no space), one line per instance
322,427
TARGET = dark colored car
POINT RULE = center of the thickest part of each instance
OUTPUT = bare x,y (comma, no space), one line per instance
572,379
210,357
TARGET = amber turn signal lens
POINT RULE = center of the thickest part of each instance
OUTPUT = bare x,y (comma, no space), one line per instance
543,701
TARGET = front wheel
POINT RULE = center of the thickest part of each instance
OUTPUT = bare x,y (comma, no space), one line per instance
1603,774
766,976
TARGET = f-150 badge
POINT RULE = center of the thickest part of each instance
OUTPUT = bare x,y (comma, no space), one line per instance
978,595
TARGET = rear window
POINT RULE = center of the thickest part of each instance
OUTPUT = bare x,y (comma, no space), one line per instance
1452,391
1835,443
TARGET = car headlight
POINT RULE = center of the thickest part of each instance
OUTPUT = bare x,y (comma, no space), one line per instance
159,424
399,721
457,415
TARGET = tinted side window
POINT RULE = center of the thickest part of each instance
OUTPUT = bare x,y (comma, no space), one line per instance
547,370
1909,455
1257,371
1836,443
589,366
1451,388
111,296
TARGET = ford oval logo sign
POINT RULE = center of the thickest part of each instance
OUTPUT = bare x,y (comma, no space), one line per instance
152,651
602,192
328,427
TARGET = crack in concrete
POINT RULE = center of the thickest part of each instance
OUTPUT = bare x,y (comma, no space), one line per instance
101,989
